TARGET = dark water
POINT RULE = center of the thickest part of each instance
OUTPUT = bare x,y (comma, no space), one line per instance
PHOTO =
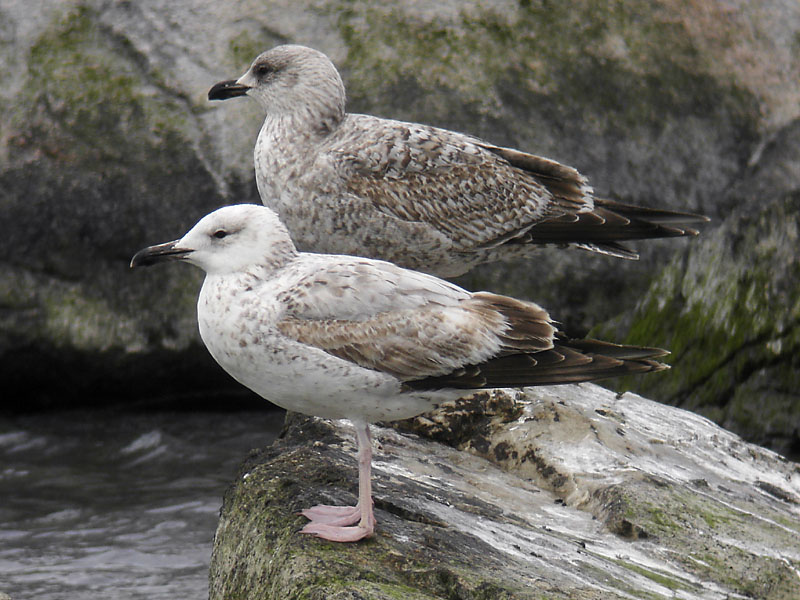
117,505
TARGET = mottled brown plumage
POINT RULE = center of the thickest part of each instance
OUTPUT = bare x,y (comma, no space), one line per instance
422,197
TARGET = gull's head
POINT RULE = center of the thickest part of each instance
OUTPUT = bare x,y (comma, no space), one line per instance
232,239
290,80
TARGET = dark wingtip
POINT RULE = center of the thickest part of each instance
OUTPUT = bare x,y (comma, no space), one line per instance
227,89
678,219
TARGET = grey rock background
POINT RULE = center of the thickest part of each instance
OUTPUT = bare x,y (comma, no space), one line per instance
107,144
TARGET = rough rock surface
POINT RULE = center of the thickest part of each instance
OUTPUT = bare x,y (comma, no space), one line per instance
729,310
108,144
562,492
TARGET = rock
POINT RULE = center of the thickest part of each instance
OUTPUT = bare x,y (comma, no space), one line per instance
101,154
568,492
728,310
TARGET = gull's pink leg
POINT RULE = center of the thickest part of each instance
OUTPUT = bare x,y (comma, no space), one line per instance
339,515
333,515
329,522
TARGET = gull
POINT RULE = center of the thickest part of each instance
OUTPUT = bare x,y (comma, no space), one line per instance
422,197
342,337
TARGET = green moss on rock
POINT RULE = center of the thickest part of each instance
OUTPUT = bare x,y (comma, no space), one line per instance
88,83
636,530
728,312
624,64
260,555
705,534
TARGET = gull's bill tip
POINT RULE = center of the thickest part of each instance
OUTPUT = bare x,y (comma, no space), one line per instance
227,89
160,253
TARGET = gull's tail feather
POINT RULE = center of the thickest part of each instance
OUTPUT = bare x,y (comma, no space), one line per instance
569,361
610,223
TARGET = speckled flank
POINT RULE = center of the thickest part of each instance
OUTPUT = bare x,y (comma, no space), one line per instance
425,198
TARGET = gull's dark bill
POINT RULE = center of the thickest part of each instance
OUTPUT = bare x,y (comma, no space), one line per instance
227,89
158,254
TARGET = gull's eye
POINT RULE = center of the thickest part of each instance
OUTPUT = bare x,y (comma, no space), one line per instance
262,70
220,233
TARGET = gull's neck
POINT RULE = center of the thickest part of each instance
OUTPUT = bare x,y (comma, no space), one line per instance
253,265
225,294
294,131
305,124
314,109
286,148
